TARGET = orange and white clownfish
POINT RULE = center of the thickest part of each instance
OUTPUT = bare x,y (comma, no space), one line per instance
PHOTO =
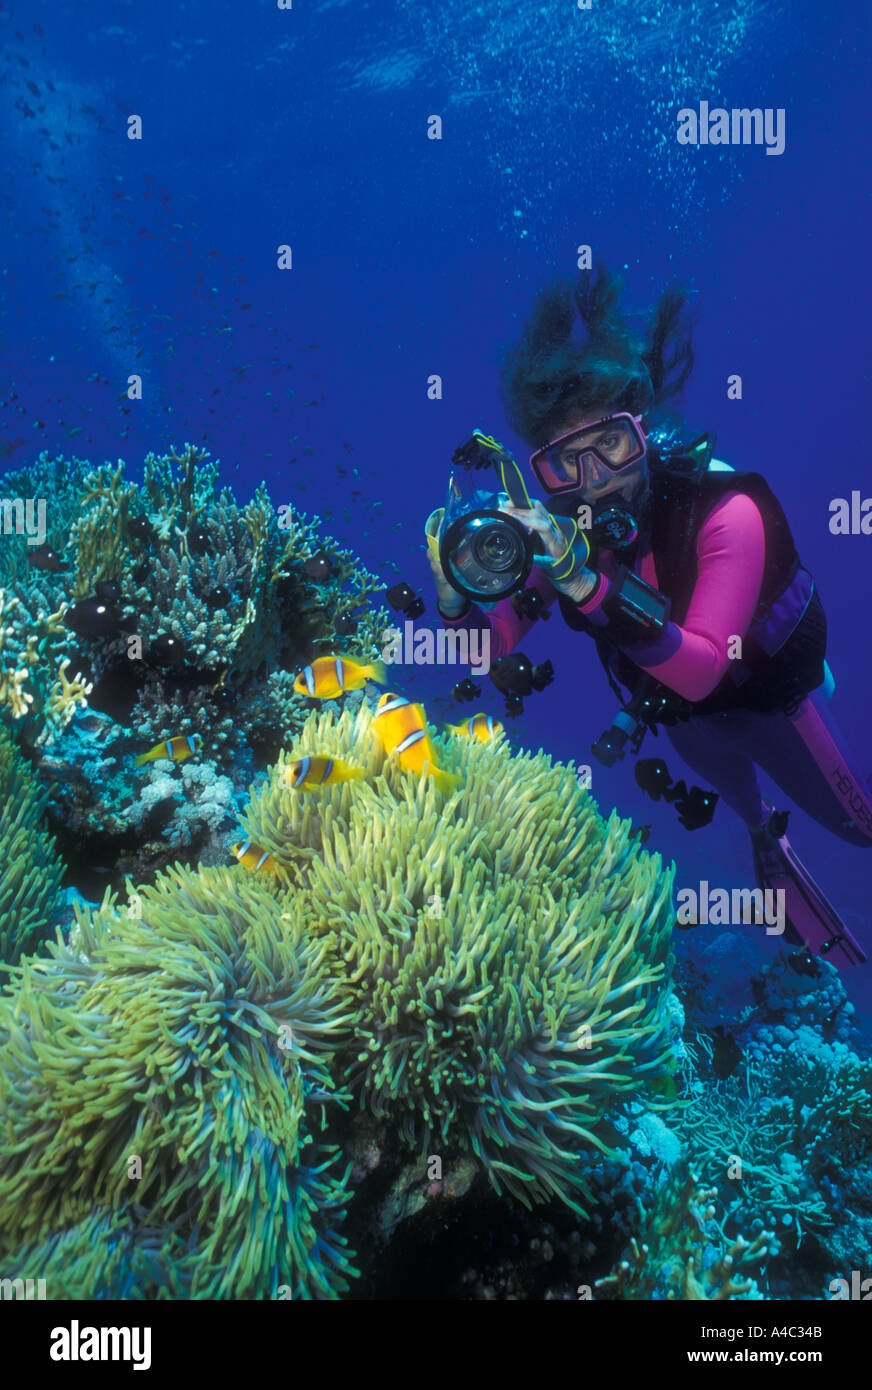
252,857
401,728
329,676
480,728
308,774
176,749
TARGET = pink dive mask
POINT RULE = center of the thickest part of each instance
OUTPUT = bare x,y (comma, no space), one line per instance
616,441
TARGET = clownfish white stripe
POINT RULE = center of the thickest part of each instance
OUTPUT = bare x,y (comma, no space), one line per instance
414,737
328,769
303,772
397,703
261,861
339,675
309,677
242,850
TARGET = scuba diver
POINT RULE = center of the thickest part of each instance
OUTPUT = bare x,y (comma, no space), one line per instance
682,571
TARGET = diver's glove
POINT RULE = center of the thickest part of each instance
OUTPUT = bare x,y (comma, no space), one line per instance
567,557
450,604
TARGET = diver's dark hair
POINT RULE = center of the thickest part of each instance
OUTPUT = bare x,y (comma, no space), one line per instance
548,376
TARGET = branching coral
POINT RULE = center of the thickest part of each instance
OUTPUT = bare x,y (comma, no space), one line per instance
30,870
227,583
194,1030
273,614
767,1132
99,535
509,950
182,563
674,1258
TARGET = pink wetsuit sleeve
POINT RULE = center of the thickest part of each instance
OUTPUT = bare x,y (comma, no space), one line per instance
506,628
731,548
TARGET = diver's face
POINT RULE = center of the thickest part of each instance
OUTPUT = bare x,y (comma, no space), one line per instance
598,480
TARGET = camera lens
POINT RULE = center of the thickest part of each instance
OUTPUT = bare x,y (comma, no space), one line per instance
486,555
496,548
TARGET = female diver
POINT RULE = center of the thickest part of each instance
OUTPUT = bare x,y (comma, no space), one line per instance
738,658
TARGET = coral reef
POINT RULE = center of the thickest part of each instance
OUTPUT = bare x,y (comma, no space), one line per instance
678,1255
30,869
777,1136
169,609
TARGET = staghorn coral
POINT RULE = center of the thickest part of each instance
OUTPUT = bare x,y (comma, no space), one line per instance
508,949
788,1116
193,1029
170,544
274,616
30,870
99,535
673,1256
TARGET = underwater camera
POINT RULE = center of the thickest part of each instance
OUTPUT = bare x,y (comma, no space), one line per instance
653,704
485,554
648,706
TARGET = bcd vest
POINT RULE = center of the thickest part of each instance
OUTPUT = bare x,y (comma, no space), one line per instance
783,651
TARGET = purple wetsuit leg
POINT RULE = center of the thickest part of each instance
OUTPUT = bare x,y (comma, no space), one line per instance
713,753
804,754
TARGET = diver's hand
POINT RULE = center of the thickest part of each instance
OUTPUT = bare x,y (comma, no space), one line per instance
538,520
451,603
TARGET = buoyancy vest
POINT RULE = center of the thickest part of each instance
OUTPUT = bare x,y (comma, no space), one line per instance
784,649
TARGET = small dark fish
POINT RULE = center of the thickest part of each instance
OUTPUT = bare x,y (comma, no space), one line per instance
345,625
652,775
219,597
804,963
139,528
319,566
513,674
466,690
90,617
168,651
44,558
726,1054
107,591
198,540
642,833
141,572
402,597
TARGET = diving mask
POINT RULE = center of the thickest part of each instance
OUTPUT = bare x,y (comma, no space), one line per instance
616,441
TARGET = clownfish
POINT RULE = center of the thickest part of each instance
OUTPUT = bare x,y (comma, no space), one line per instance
401,728
308,774
480,728
176,749
252,857
329,676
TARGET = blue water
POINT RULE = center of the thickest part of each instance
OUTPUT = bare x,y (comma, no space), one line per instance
413,256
